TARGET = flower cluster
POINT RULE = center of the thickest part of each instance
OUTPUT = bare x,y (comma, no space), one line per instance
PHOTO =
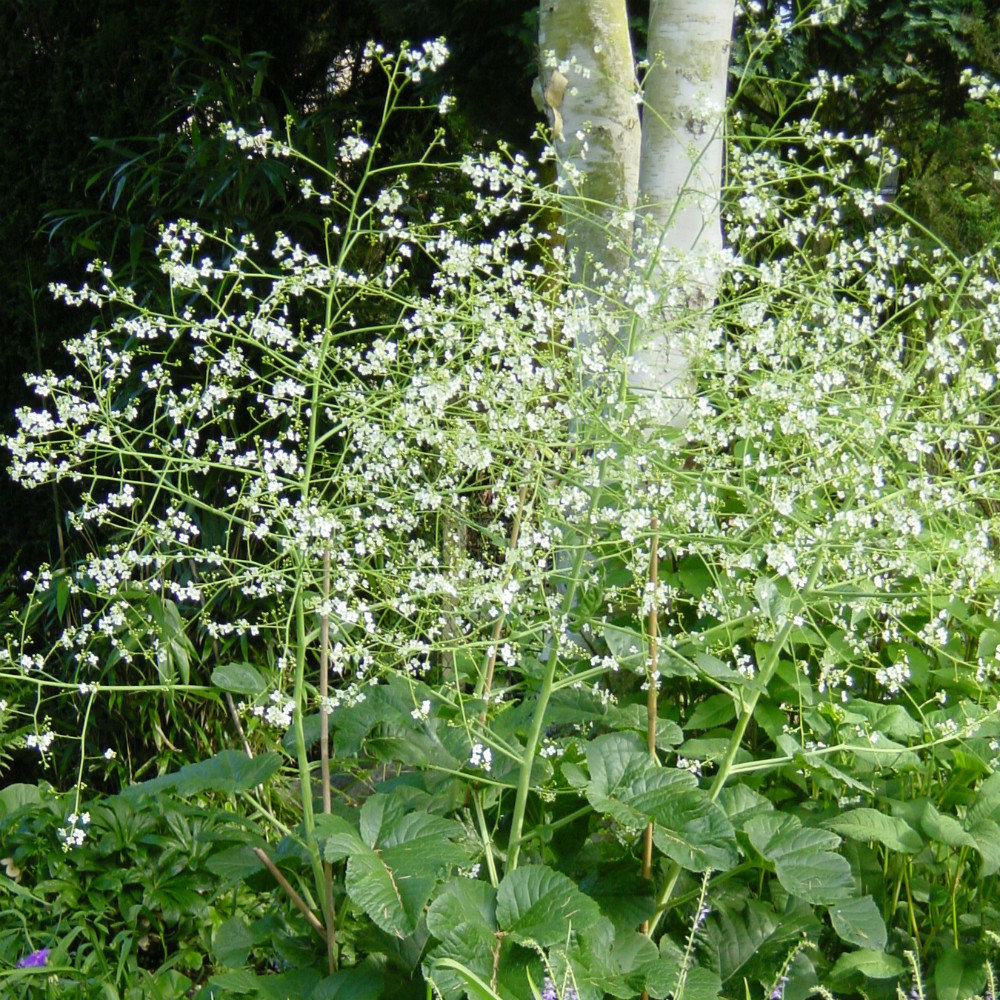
74,833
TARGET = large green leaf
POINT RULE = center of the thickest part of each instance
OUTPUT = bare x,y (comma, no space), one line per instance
871,825
394,901
463,900
987,802
701,984
624,897
240,678
463,919
634,717
802,858
476,985
396,860
540,905
339,837
229,771
714,711
943,828
688,827
982,823
893,720
740,803
16,795
958,975
234,863
819,877
858,922
737,937
362,982
870,964
694,831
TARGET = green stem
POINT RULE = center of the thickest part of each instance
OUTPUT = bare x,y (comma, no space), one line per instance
538,718
487,840
301,751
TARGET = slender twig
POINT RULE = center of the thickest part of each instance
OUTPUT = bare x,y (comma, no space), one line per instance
329,911
324,686
230,704
235,716
652,685
300,904
515,531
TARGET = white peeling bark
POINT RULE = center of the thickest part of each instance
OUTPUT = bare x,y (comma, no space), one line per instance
680,183
588,88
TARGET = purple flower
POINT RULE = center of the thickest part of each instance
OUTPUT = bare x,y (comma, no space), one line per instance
779,990
35,960
549,991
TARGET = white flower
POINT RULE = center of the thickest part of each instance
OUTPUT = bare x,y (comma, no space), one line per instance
481,757
75,831
353,148
278,713
40,741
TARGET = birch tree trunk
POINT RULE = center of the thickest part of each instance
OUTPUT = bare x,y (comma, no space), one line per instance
680,183
588,87
670,169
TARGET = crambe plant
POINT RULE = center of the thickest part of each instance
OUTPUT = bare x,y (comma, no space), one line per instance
529,687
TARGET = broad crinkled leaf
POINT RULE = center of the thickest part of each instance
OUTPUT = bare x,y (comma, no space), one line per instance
397,859
740,803
392,899
339,838
361,982
778,836
893,720
419,830
693,831
944,829
624,897
736,937
870,824
982,823
987,802
633,717
870,964
539,904
802,858
701,984
986,836
610,757
714,711
819,877
471,945
689,827
463,900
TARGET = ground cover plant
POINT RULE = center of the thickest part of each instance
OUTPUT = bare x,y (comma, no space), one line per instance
527,693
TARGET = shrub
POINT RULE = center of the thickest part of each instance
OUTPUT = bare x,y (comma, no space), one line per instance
555,692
